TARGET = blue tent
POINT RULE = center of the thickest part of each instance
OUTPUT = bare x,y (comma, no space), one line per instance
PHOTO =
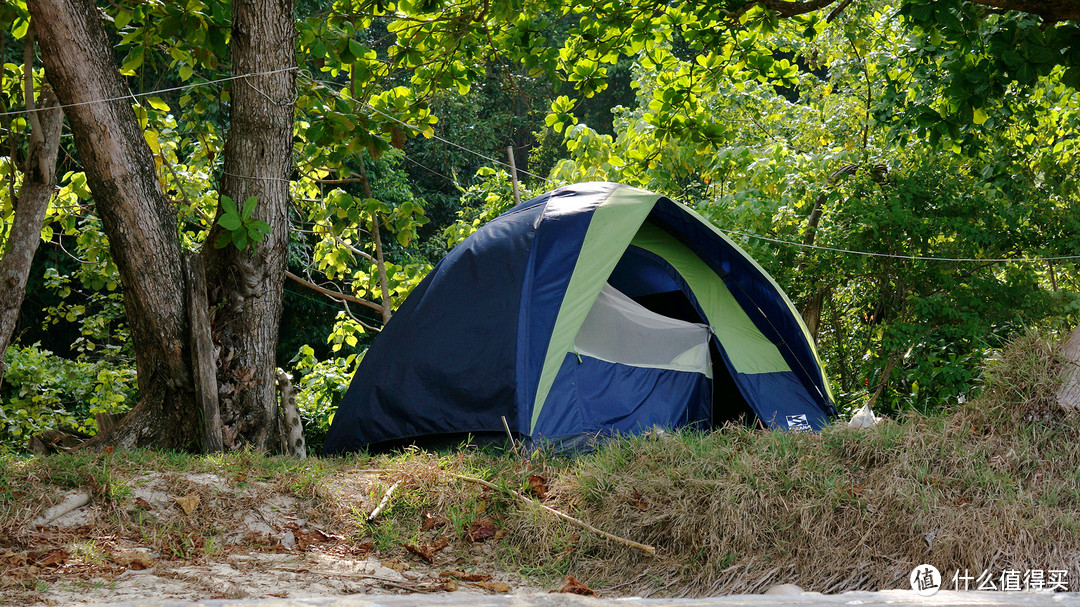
593,309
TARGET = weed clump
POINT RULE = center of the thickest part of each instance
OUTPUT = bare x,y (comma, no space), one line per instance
1021,380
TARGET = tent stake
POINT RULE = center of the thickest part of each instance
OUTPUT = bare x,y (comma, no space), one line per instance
513,443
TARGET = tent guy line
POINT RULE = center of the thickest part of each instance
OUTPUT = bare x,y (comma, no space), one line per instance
334,92
460,147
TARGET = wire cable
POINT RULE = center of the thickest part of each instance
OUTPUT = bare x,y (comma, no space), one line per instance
154,92
908,257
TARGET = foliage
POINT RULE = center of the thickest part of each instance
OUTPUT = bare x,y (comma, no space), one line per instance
239,228
490,197
915,127
319,389
42,391
758,154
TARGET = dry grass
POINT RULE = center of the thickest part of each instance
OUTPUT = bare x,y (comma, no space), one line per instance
993,484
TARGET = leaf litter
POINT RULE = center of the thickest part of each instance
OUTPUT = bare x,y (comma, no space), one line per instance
198,536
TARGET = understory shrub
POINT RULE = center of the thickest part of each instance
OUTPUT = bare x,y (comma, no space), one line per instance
42,391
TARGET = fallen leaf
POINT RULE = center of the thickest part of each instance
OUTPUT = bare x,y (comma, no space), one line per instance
427,551
481,530
538,486
432,521
575,587
466,577
189,502
396,565
53,558
493,586
450,585
639,501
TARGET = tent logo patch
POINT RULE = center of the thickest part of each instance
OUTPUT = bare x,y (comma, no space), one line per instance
798,422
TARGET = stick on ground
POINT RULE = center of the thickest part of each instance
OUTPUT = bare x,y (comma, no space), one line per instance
385,500
566,517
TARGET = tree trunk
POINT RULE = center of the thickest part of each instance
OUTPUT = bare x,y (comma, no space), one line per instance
137,218
811,312
380,261
246,285
1068,395
34,195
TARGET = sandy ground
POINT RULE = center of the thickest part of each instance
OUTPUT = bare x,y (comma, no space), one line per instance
214,538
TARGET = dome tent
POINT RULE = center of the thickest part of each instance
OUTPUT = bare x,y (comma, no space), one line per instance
593,309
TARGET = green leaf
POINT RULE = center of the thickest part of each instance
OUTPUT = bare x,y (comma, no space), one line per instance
249,207
240,239
157,104
133,61
228,204
230,221
259,227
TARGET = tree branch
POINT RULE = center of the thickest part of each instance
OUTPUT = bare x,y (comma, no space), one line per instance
36,136
333,294
790,9
566,517
1052,11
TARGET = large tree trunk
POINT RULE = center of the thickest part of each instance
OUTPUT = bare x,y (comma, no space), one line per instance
37,186
137,218
246,285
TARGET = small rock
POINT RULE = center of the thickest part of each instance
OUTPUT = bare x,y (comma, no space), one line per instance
288,541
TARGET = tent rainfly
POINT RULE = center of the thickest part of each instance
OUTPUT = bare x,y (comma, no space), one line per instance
594,309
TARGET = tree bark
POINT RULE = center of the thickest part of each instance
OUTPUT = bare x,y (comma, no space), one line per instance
380,262
137,218
246,285
202,354
1068,395
34,195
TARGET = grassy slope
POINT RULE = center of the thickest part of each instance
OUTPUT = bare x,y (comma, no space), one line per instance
992,484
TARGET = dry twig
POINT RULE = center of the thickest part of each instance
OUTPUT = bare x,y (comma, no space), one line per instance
385,500
566,517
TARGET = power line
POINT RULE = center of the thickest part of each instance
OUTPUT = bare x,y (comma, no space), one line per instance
155,92
908,257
